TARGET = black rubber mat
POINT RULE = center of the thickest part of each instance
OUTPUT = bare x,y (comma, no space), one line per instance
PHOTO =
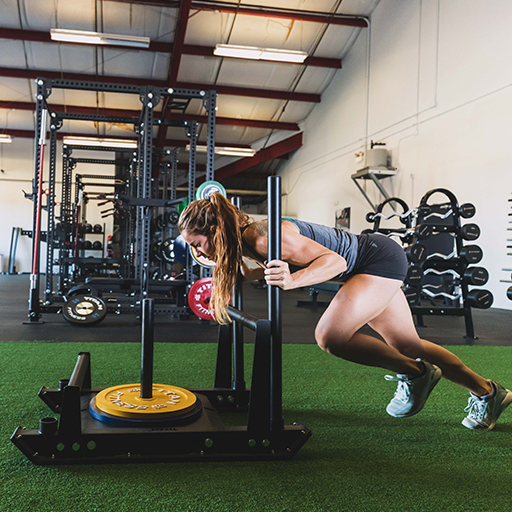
492,326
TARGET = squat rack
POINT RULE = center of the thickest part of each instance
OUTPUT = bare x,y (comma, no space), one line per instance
150,97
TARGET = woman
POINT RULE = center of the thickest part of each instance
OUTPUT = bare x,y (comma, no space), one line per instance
372,267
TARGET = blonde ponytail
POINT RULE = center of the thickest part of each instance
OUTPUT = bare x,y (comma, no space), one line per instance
218,219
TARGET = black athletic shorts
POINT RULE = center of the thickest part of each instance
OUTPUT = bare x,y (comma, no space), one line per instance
379,255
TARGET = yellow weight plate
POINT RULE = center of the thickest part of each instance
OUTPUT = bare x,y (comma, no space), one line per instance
125,401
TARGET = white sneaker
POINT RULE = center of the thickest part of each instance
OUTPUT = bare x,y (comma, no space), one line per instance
482,413
412,393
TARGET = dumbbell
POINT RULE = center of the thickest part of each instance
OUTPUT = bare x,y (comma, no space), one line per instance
88,228
414,275
470,232
416,253
97,228
423,231
509,293
97,245
481,299
467,210
476,276
412,294
87,245
471,253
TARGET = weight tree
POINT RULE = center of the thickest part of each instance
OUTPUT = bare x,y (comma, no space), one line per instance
119,424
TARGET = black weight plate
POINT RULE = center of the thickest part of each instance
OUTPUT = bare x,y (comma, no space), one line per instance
172,217
481,299
167,250
414,275
471,253
477,276
97,228
154,273
509,293
412,295
84,310
97,245
467,210
417,253
156,250
470,232
423,231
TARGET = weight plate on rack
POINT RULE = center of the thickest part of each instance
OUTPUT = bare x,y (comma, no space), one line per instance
84,310
199,298
209,187
171,218
201,260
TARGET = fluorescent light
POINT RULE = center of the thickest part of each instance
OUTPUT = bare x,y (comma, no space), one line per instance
227,151
250,52
83,36
6,139
284,55
95,142
235,151
239,52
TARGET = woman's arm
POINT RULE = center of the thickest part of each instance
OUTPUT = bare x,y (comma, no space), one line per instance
320,264
252,274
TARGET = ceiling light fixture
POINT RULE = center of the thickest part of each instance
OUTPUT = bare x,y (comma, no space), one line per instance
83,36
227,151
95,142
6,139
250,52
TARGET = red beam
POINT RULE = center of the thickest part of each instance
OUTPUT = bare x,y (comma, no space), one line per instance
263,10
37,36
263,155
57,75
30,134
282,13
179,39
255,93
226,121
221,89
207,51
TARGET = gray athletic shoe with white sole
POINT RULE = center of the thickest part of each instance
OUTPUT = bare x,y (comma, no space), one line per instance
483,413
412,393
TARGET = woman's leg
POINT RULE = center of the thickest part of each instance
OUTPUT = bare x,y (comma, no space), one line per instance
396,326
379,302
361,299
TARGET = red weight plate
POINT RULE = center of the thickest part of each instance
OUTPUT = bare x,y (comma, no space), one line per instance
199,298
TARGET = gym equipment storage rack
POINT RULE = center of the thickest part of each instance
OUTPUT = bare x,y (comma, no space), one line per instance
150,97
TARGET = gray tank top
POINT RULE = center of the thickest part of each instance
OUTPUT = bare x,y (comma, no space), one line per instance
334,239
337,240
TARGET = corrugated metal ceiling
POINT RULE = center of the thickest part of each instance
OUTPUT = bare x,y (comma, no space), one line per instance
248,90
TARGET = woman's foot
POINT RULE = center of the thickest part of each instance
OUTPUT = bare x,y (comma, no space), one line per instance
412,392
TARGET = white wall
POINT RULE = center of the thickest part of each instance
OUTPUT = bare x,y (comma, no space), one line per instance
439,95
17,162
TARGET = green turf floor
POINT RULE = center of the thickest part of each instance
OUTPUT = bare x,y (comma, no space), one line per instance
359,459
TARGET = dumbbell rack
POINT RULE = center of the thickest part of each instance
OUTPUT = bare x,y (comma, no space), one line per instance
453,268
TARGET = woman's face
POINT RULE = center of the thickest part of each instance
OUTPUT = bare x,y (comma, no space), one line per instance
201,243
